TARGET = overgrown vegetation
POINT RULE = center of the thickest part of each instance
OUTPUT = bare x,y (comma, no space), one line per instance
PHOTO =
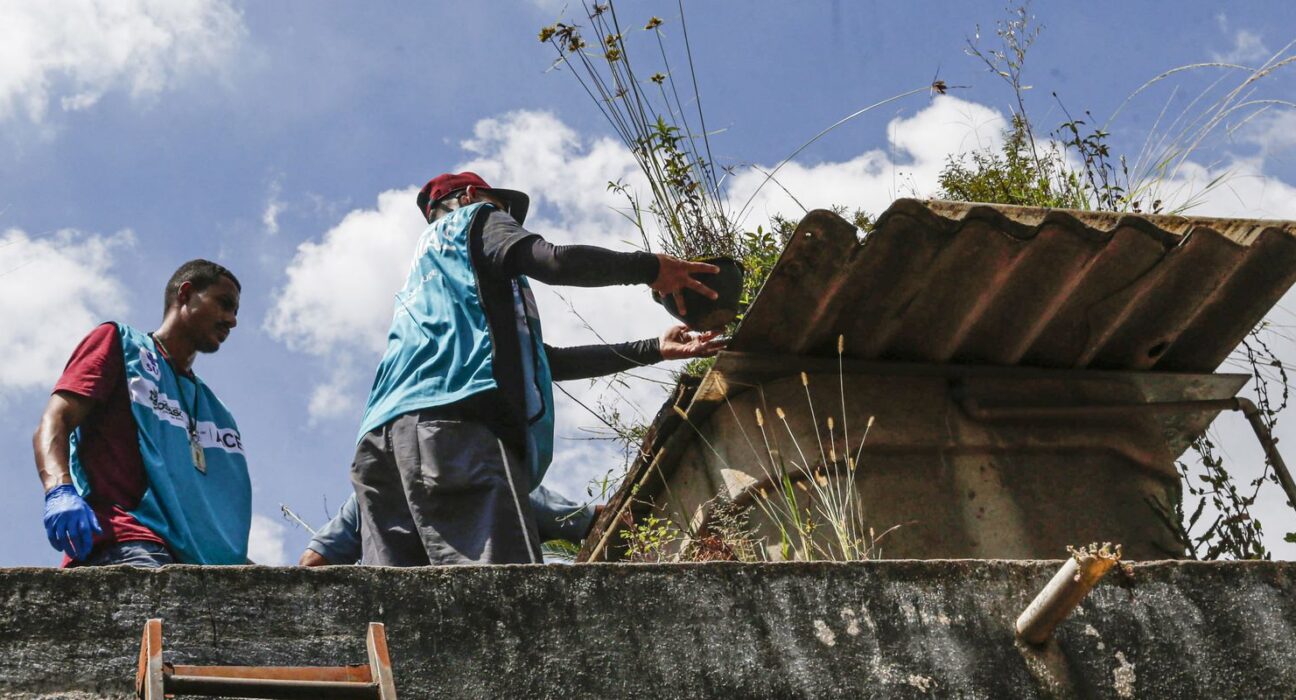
807,495
1014,174
650,539
666,133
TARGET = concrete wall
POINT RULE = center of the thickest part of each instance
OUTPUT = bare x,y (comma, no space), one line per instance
887,629
957,487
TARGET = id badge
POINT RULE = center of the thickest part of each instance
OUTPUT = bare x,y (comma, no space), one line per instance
196,451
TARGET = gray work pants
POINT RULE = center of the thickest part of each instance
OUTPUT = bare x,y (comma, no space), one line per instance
435,491
140,553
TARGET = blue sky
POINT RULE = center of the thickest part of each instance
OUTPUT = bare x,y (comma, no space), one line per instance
286,139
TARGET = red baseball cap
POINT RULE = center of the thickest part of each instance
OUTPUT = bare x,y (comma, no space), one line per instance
443,185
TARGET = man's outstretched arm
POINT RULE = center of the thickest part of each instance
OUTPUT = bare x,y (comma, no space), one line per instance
586,361
512,251
338,542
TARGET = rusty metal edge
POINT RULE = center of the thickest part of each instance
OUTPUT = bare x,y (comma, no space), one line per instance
1240,231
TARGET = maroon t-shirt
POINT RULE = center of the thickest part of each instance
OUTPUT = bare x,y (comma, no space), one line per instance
108,445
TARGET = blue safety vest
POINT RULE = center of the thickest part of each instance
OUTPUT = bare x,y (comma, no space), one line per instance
204,515
439,349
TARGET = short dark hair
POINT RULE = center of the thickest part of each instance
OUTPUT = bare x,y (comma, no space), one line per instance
441,207
201,274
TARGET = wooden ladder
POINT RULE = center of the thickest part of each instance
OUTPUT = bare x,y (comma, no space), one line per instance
156,680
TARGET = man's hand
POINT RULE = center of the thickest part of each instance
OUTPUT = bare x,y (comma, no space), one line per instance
678,343
312,558
70,523
675,275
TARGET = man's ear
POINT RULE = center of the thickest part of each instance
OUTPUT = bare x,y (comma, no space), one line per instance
471,193
184,293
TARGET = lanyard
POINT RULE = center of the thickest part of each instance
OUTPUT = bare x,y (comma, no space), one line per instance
195,447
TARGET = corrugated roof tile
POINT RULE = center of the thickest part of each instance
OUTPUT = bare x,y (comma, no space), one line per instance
946,282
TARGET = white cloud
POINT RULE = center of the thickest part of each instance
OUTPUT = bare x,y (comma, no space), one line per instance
918,149
566,176
340,289
337,301
1245,190
341,394
53,289
1273,132
274,207
76,51
266,541
1248,47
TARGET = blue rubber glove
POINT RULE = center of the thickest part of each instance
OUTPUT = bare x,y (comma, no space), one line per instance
70,523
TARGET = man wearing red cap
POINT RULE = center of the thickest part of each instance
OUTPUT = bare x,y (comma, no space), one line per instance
459,425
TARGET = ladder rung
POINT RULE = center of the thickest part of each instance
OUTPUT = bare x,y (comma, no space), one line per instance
155,680
354,674
269,688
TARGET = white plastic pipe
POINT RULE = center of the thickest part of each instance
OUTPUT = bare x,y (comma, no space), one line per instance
1063,593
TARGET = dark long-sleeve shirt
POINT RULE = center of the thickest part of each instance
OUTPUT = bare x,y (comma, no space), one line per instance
579,265
585,361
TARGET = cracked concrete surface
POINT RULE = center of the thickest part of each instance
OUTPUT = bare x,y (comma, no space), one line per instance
886,629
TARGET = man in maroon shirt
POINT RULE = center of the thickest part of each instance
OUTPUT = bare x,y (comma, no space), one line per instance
201,307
